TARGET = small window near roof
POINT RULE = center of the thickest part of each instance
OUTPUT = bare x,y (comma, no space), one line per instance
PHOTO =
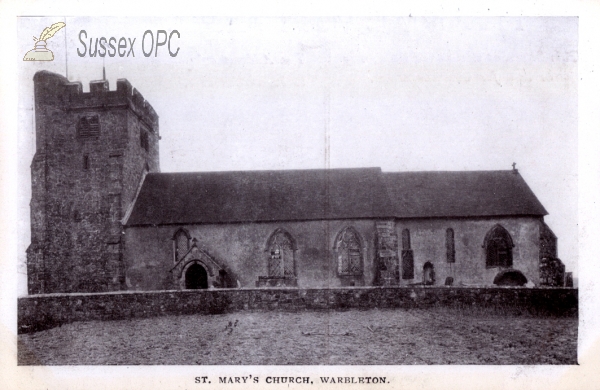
406,239
450,252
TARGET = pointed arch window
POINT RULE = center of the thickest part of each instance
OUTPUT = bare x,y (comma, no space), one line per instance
181,244
281,247
348,249
498,246
408,262
450,252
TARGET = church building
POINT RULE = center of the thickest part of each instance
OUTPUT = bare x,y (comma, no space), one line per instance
104,218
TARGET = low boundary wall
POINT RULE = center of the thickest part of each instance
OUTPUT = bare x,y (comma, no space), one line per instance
39,312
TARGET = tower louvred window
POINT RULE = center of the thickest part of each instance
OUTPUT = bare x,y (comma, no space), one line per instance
88,126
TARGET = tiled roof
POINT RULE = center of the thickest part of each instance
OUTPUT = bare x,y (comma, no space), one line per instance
296,195
252,196
460,194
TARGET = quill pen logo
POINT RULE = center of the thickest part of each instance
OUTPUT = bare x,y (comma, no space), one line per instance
40,52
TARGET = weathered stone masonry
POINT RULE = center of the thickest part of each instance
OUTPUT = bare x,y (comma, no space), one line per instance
241,250
92,150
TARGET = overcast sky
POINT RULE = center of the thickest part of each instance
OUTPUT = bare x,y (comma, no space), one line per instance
403,94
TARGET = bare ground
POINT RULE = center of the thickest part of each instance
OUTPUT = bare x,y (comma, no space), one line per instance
353,337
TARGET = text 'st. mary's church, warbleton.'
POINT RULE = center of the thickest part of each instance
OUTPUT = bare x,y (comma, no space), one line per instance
104,218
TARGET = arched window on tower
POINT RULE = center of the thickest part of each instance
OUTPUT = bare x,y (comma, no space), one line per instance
349,252
181,244
498,246
281,255
450,252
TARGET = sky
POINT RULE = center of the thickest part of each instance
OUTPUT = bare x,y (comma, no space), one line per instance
400,93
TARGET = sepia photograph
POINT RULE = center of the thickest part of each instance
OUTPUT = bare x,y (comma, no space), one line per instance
298,200
298,191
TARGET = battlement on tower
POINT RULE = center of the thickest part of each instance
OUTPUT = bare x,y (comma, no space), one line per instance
56,90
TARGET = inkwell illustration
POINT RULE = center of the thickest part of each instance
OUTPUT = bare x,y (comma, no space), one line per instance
40,52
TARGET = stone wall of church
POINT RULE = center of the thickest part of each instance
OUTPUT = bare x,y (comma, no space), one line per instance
428,243
242,249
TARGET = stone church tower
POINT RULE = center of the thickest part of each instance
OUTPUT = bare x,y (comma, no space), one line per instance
93,151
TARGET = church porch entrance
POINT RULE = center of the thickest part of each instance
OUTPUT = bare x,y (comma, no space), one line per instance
196,277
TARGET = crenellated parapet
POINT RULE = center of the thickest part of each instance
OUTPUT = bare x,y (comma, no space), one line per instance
56,90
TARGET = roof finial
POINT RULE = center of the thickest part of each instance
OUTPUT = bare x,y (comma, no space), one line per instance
514,165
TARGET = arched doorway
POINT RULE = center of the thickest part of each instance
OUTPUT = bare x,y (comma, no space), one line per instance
510,277
428,274
196,277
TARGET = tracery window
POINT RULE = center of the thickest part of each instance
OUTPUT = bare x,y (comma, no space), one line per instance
498,246
349,253
281,255
450,252
181,240
408,263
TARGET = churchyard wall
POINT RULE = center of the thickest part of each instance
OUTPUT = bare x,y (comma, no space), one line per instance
39,312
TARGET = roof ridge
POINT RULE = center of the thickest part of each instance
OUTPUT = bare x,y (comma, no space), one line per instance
270,170
470,171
